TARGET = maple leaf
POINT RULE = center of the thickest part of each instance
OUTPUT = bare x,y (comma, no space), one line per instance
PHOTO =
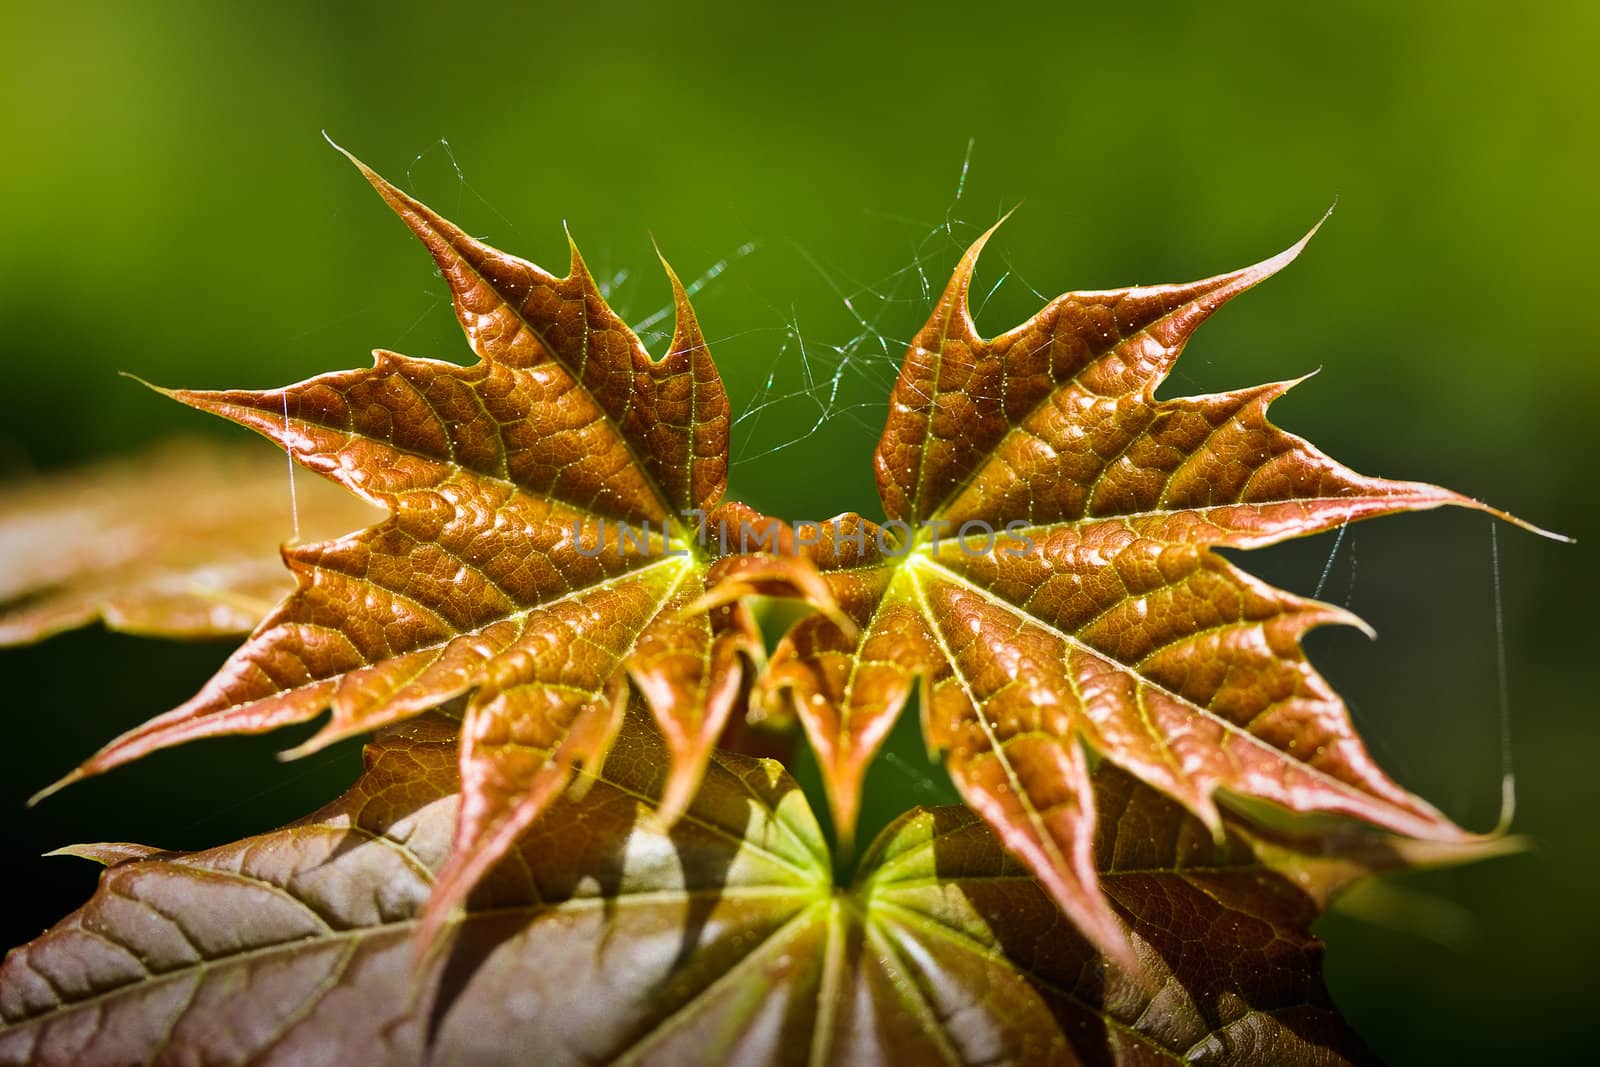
181,541
604,937
502,572
1046,569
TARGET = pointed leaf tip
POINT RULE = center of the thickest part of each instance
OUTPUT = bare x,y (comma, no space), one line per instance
686,335
1338,616
576,268
76,775
1540,531
680,295
106,853
1257,273
154,388
366,171
960,284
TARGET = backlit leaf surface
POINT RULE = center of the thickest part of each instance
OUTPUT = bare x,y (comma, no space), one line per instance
1046,569
501,573
604,937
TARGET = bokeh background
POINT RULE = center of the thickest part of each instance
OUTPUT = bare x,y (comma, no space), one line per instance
172,209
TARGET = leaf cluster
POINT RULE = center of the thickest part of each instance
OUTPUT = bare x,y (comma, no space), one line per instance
547,832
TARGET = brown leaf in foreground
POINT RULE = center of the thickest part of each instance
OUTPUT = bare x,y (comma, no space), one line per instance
500,573
1047,571
181,541
603,937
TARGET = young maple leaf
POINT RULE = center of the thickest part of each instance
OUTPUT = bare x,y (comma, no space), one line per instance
1099,613
492,575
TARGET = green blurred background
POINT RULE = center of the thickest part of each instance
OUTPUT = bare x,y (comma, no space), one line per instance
172,210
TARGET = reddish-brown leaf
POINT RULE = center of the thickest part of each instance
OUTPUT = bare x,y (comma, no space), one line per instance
1046,570
501,573
604,937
